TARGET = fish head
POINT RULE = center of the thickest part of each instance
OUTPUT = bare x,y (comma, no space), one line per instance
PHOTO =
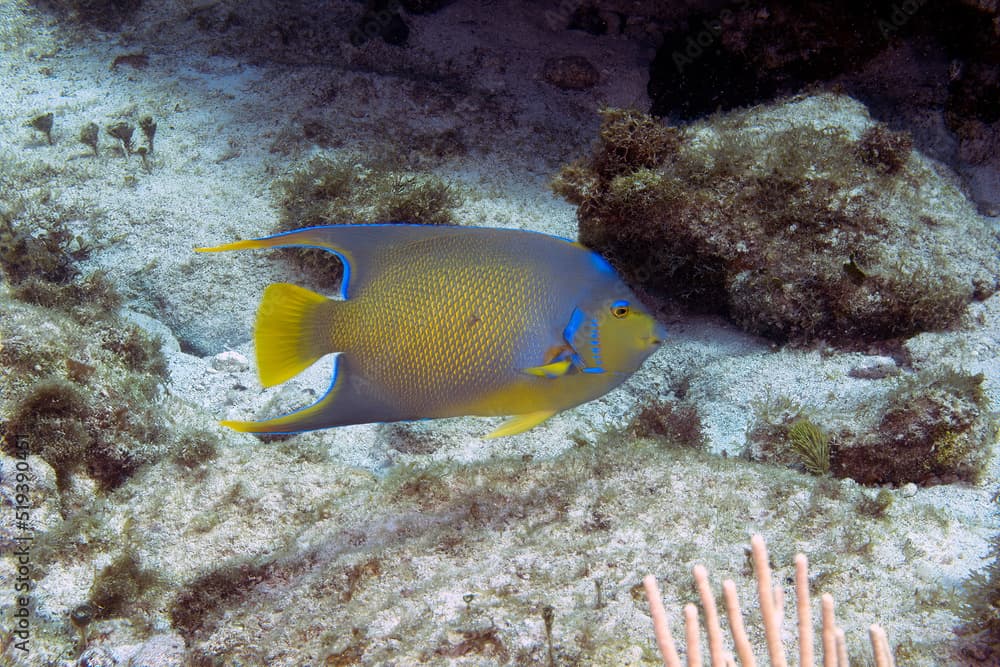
612,331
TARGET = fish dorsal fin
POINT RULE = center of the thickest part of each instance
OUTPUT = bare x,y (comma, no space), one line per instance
354,245
584,337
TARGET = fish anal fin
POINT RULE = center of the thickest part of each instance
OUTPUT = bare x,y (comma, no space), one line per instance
240,426
349,400
289,335
521,423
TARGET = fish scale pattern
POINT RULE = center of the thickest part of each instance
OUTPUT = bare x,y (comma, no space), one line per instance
433,333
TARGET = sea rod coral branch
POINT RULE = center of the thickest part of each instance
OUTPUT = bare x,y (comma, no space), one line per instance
771,604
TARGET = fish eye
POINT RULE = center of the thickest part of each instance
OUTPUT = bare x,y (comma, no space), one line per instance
619,309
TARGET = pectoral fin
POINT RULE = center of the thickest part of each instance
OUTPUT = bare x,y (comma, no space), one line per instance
521,423
552,370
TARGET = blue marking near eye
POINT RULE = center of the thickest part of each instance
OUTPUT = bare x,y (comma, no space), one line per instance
575,322
621,303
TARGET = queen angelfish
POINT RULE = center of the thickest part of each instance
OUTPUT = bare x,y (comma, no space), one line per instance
440,321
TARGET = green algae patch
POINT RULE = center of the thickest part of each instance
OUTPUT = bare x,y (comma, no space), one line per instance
676,424
793,221
120,586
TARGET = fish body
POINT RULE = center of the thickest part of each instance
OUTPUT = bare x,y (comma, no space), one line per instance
440,321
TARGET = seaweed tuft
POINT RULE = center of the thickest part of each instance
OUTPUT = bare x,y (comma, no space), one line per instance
631,140
981,610
41,253
812,444
196,447
876,507
884,150
137,350
119,587
199,604
675,423
53,418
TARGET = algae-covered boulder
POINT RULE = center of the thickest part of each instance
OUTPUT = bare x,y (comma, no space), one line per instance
936,427
801,221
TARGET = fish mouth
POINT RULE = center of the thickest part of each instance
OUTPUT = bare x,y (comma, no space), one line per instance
657,336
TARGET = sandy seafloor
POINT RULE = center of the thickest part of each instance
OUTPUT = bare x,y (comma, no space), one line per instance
230,124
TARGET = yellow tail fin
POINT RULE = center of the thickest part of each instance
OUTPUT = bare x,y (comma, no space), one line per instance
292,331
